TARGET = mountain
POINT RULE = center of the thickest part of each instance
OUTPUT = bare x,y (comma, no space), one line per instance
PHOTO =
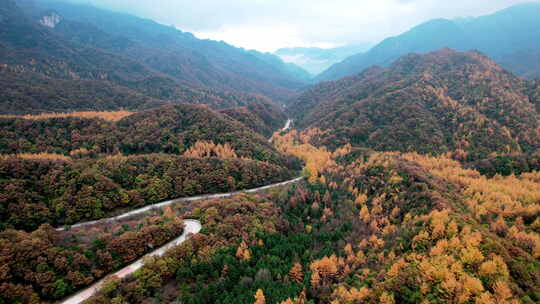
263,118
286,67
434,103
27,92
498,35
525,63
316,60
28,46
44,68
172,52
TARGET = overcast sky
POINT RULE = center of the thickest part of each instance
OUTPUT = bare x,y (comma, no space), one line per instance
267,25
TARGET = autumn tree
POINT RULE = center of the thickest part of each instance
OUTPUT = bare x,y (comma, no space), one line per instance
259,297
296,274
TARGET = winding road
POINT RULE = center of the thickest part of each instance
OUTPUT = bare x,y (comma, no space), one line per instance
287,125
178,200
285,128
191,227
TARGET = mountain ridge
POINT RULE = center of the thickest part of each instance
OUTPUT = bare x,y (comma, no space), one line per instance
183,56
430,103
316,60
46,70
505,47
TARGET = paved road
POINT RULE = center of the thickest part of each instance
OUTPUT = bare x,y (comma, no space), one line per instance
287,125
191,227
285,128
184,199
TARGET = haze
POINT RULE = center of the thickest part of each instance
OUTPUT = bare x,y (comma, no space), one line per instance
267,25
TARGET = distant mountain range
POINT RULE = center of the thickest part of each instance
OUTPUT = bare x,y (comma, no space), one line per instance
511,37
316,60
176,53
57,56
433,103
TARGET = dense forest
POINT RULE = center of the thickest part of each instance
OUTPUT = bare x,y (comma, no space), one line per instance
435,103
167,129
47,264
28,92
63,192
368,227
419,180
258,117
58,169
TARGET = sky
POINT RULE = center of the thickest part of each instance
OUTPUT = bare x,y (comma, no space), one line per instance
267,25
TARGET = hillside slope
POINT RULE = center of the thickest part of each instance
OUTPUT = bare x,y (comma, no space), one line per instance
367,228
43,71
175,53
438,102
170,129
498,35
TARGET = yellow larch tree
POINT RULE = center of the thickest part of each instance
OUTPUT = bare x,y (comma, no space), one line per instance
259,297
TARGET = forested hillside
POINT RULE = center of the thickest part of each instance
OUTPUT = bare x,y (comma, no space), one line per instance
512,44
261,117
200,63
434,103
47,264
415,181
67,191
168,129
65,168
44,69
27,92
369,227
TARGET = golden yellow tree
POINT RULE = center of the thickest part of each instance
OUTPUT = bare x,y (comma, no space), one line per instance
259,297
296,274
315,279
204,149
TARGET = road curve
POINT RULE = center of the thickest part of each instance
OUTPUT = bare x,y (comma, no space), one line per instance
285,128
178,200
287,125
185,199
191,227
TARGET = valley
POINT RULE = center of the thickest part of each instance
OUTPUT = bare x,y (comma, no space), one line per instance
140,164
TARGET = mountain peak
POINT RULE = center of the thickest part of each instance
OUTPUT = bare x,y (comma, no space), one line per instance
441,95
516,31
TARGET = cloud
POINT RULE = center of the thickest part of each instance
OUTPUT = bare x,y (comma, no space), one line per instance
270,24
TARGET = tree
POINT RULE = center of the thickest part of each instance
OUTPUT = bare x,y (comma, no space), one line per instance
361,199
315,279
259,297
296,274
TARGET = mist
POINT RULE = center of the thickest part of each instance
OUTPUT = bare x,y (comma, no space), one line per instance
271,24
